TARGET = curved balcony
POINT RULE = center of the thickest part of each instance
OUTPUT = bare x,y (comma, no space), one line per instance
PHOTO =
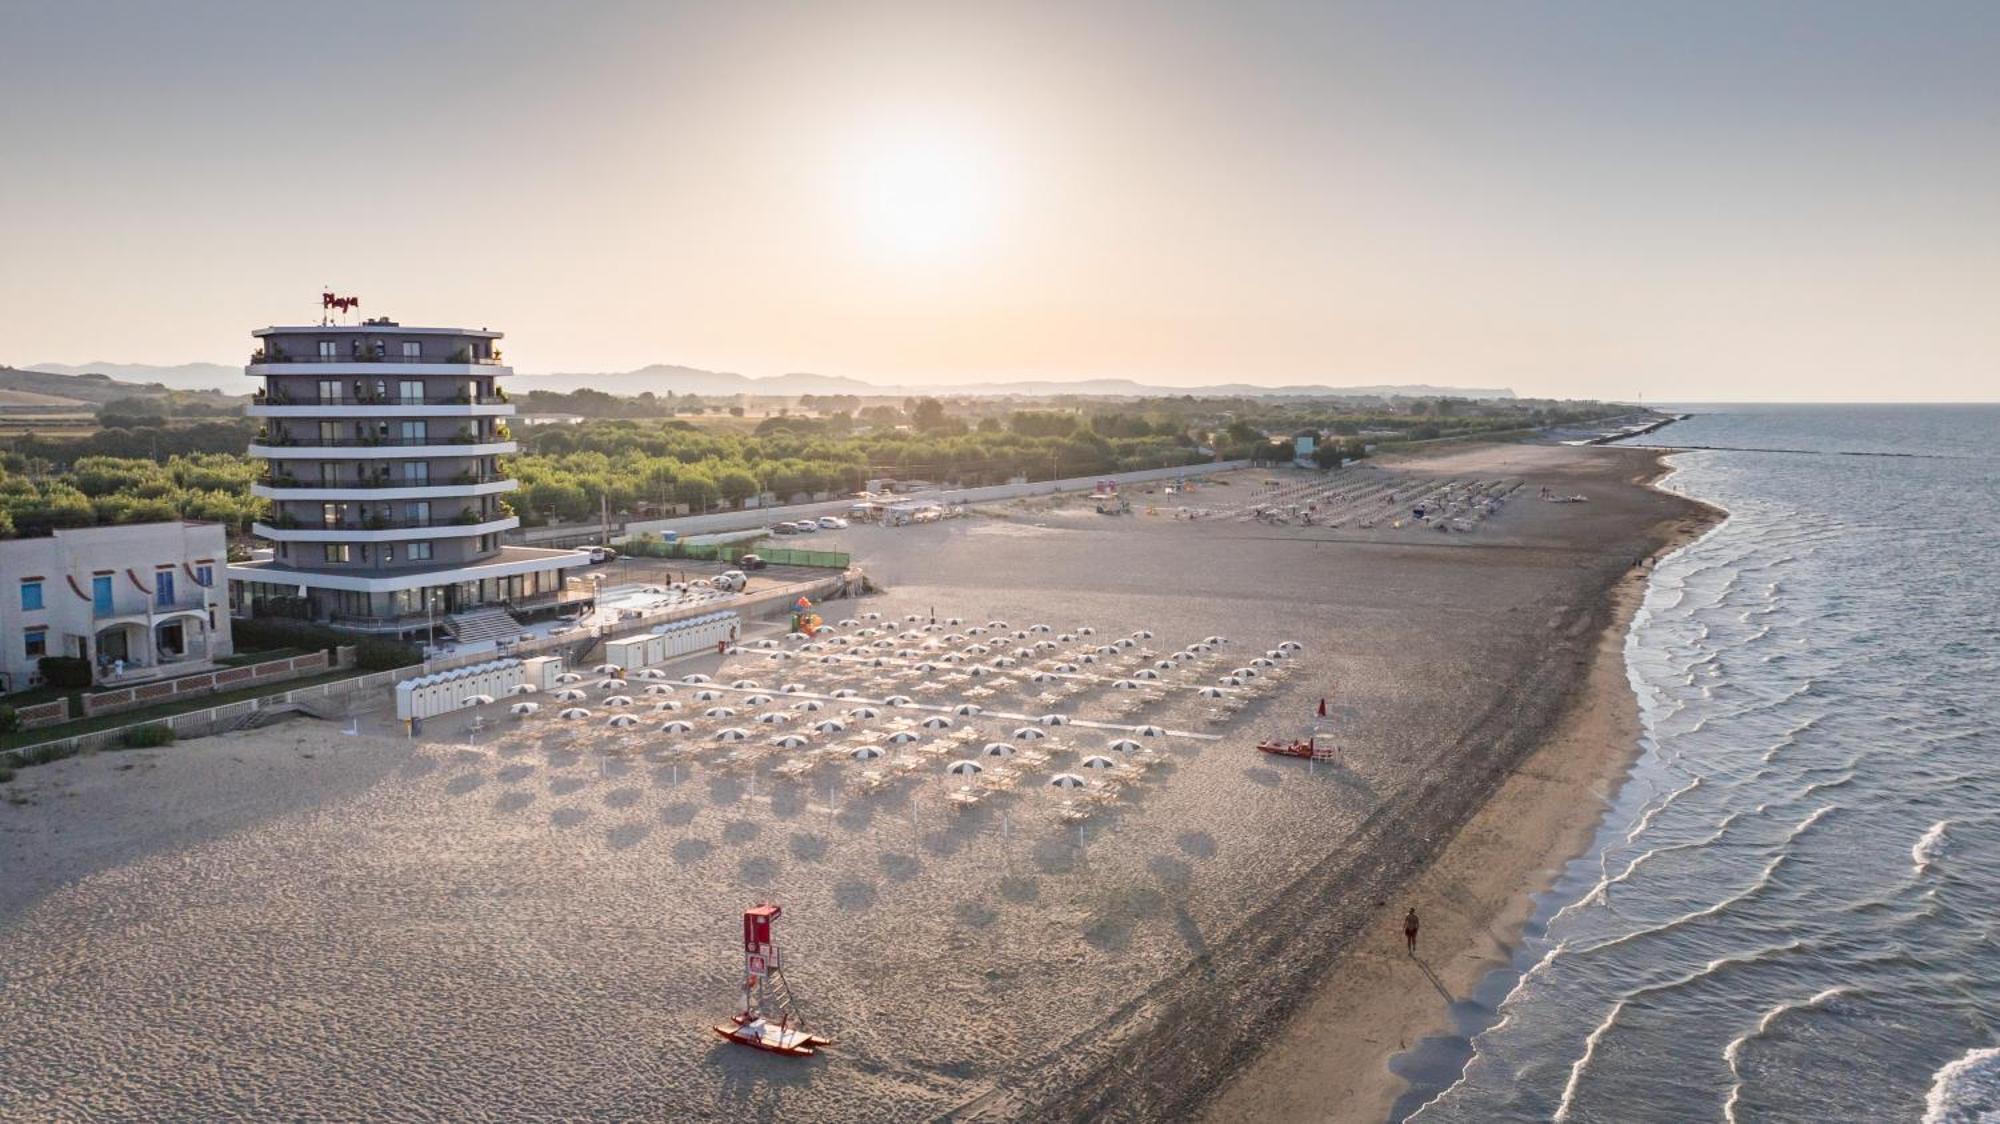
381,489
393,408
381,530
376,368
384,449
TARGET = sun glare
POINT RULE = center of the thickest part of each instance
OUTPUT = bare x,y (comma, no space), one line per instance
922,197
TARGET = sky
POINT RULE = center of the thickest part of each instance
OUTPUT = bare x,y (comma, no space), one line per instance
1684,201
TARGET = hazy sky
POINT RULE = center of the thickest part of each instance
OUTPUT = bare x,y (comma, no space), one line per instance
1684,200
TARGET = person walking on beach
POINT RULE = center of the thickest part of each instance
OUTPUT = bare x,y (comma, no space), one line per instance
1410,930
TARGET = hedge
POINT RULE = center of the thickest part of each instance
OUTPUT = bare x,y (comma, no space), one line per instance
372,653
147,736
65,672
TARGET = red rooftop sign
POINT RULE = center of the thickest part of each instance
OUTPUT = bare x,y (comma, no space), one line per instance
342,304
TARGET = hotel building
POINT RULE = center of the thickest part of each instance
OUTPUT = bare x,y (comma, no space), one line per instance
381,445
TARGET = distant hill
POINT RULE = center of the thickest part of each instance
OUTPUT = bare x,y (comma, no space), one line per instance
79,390
185,376
662,378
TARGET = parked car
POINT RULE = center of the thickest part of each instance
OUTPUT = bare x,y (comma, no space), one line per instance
806,526
731,580
601,554
831,523
785,528
752,562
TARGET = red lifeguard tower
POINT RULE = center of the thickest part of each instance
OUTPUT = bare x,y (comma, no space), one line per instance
770,1019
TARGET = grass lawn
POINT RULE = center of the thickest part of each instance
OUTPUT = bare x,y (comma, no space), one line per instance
163,710
244,659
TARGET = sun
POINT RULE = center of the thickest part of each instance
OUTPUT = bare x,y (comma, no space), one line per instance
922,196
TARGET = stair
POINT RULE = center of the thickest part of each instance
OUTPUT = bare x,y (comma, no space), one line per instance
476,625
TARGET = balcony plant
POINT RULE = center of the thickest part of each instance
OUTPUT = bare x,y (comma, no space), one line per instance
466,517
462,355
375,523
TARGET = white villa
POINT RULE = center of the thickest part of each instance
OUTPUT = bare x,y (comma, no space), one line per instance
140,601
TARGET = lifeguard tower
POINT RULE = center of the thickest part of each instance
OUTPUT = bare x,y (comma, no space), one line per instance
770,1019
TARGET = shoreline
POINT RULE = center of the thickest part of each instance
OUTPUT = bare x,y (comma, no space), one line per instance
1474,898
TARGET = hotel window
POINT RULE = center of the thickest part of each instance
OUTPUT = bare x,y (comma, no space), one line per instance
337,552
417,473
411,391
332,514
31,596
420,552
35,643
328,350
329,473
329,392
163,589
415,432
413,349
329,432
419,513
388,553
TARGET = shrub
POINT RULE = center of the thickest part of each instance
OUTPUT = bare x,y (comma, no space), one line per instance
147,736
6,774
376,654
10,719
67,672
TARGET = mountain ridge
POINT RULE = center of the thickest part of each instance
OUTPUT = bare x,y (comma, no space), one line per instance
661,378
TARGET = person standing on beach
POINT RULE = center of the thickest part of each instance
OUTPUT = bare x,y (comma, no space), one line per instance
1410,930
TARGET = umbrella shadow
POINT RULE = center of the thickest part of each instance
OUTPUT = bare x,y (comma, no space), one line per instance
689,851
758,870
806,846
464,783
568,817
515,774
627,835
513,801
621,797
738,832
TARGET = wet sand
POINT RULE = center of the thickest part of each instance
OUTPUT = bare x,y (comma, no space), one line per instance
534,928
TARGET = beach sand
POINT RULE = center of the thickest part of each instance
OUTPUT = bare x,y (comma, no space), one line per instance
291,922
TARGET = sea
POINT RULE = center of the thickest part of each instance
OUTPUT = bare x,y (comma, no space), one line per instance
1791,911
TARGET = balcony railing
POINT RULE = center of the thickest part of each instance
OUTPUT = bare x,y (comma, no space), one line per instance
377,400
135,606
285,441
370,355
384,481
373,523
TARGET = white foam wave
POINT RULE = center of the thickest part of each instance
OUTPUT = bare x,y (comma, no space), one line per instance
1927,850
1966,1091
1733,1053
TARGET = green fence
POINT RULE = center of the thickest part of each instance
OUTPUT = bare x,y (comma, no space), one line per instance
731,552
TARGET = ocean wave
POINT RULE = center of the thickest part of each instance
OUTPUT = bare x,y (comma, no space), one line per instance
1762,881
1733,1053
1646,820
1927,850
1966,1091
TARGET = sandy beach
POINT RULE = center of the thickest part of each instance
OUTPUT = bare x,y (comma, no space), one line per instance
538,922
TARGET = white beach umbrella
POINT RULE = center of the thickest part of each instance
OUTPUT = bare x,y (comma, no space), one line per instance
621,721
1123,745
745,684
676,727
696,677
1067,780
523,709
570,694
1143,634
1099,762
607,669
808,705
573,712
1086,630
1124,684
1054,720
1087,657
865,752
707,696
610,684
1290,645
479,700
789,741
659,689
1244,672
1066,637
864,713
1277,654
667,707
1262,661
767,643
774,718
1166,665
998,749
975,630
1067,668
1030,733
1040,628
1147,673
756,700
618,700
900,700
522,689
569,677
846,693
1214,640
965,768
731,734
871,616
937,722
1150,732
1039,677
1124,643
954,621
1212,693
968,709
902,737
848,622
976,649
1001,661
791,688
719,712
978,671
996,624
